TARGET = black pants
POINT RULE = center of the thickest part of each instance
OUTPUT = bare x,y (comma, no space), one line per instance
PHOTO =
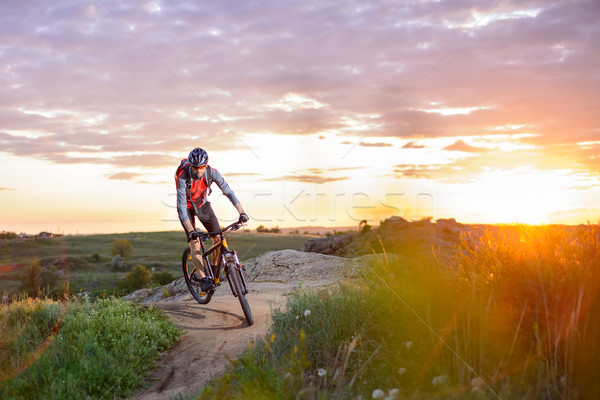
207,217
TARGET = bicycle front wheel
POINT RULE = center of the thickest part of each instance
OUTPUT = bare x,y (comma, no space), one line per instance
237,287
192,279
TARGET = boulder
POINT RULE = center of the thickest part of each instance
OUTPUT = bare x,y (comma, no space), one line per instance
286,265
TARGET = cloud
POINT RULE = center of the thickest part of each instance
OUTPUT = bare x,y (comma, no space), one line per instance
368,144
2,189
413,145
240,174
309,178
124,176
460,145
66,100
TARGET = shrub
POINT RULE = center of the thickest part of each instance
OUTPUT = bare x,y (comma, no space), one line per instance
7,235
364,227
162,278
121,247
30,278
67,263
263,229
137,278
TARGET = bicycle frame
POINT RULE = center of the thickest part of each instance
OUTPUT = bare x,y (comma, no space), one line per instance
228,261
225,250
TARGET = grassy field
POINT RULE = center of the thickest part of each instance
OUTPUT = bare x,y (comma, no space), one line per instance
89,256
78,349
511,315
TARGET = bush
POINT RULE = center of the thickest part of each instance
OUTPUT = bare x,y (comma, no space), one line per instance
67,263
263,229
137,278
121,247
7,235
364,227
162,278
30,278
37,281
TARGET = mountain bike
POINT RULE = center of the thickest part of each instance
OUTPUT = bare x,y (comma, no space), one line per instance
229,267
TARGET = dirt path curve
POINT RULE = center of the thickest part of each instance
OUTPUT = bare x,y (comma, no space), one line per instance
211,332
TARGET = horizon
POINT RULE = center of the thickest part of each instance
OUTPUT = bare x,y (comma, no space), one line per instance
317,227
322,114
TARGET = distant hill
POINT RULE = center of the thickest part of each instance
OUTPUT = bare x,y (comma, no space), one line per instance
318,230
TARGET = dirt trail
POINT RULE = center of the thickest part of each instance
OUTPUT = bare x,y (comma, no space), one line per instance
211,332
219,328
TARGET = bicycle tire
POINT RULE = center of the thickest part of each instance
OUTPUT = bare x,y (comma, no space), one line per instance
233,275
192,279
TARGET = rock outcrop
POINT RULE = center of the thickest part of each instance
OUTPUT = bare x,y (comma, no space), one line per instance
394,235
286,265
283,266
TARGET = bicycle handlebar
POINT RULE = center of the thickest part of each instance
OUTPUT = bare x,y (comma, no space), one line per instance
221,232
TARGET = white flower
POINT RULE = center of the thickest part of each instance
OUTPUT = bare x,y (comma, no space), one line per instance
439,380
401,370
409,345
393,393
378,394
288,376
306,313
321,372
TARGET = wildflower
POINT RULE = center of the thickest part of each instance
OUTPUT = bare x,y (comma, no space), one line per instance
393,393
288,376
401,370
409,345
378,394
306,313
321,372
272,338
439,380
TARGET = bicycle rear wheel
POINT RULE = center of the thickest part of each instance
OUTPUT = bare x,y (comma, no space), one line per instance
235,279
192,279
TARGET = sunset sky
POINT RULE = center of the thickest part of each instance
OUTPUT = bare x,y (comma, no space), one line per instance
315,112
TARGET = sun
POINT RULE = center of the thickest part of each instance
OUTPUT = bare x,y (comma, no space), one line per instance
522,195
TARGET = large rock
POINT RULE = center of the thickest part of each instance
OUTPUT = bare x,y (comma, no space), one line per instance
284,266
174,291
338,244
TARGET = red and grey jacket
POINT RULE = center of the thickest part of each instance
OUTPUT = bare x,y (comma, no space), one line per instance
192,191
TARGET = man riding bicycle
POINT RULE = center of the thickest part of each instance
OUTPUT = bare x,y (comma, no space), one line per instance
193,180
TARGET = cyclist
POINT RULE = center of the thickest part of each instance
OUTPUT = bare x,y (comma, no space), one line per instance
193,180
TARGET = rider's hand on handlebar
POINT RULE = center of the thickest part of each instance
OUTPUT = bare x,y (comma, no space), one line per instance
243,218
193,235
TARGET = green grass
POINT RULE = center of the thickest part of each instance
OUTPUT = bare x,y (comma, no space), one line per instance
53,350
513,314
158,250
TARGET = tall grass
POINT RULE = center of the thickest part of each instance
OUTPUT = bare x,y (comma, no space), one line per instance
512,313
53,350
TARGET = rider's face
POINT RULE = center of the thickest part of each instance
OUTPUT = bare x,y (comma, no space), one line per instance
199,171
